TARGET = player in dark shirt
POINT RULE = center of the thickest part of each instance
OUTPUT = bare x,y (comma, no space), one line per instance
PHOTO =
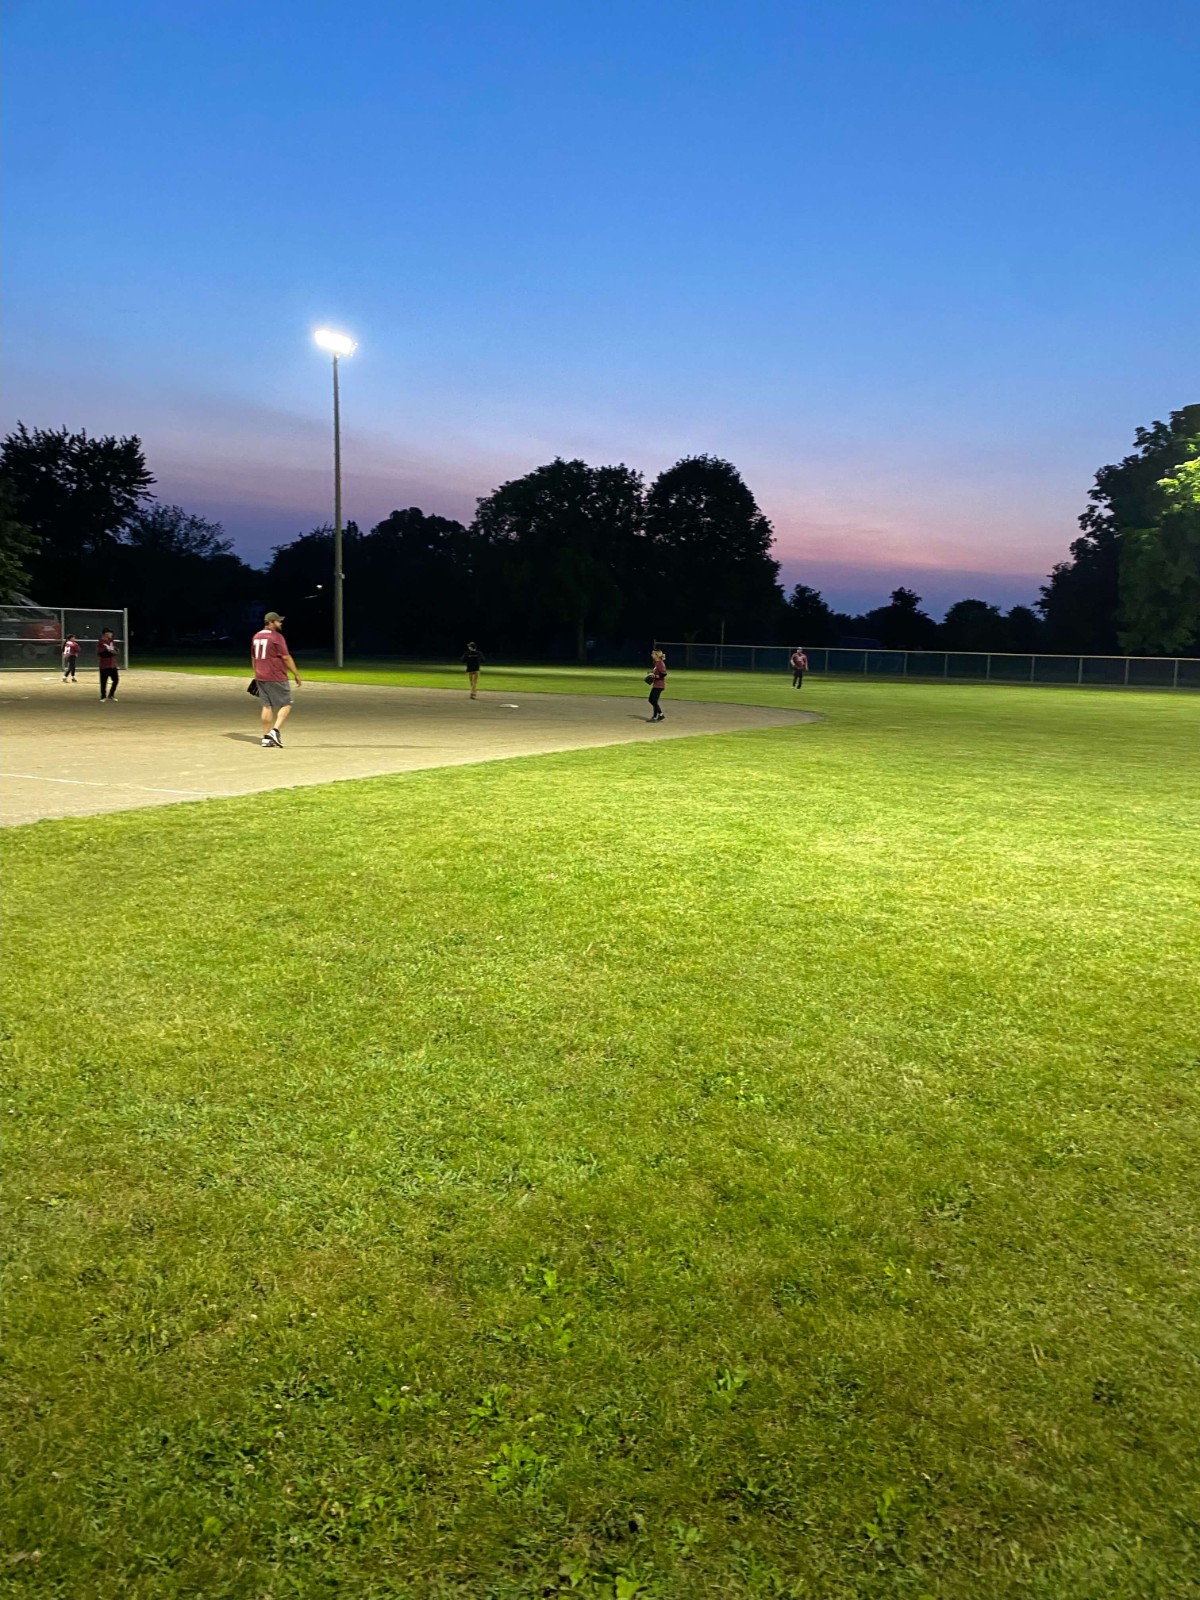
474,658
658,682
106,654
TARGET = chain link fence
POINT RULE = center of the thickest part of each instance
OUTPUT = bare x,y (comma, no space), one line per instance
32,637
957,666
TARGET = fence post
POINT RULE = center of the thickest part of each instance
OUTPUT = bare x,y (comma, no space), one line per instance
905,672
1127,672
864,663
987,673
753,658
945,663
1079,677
1032,667
125,635
1175,678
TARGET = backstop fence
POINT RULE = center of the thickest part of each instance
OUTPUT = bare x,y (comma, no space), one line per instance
33,636
958,666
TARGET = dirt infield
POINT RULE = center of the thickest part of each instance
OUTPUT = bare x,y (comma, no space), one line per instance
172,737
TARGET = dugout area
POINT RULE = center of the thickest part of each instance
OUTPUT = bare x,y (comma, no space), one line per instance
173,737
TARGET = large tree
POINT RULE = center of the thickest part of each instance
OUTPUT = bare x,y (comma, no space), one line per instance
298,582
1026,633
179,574
712,545
18,545
1080,601
563,546
809,618
1160,569
76,494
975,625
411,584
902,625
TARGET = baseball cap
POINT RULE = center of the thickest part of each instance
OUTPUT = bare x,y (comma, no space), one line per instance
272,616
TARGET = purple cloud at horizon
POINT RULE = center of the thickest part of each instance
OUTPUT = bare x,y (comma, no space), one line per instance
259,522
855,530
266,491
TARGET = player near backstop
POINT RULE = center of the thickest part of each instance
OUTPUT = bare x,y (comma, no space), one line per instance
273,665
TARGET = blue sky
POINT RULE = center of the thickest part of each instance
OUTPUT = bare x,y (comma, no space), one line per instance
917,268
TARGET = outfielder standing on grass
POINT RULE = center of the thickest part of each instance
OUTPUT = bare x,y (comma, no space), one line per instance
106,654
798,662
272,665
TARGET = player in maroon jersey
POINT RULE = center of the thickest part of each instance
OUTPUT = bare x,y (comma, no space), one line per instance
70,658
272,666
657,679
106,654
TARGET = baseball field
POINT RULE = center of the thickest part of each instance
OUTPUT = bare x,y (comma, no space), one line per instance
757,1163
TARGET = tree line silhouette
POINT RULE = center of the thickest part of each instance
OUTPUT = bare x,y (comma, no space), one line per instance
576,561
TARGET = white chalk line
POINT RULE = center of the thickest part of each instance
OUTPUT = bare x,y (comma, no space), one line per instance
96,783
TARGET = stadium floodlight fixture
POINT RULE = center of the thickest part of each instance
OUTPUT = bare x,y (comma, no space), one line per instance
338,344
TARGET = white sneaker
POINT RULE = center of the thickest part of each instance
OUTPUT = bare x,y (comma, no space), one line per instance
267,742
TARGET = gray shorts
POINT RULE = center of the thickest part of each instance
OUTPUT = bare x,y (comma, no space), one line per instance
274,695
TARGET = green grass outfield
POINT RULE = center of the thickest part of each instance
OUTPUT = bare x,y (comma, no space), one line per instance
740,687
743,687
757,1165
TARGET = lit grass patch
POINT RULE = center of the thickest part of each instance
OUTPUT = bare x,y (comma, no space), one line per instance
756,1165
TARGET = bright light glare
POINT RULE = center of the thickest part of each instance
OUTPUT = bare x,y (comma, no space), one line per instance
339,343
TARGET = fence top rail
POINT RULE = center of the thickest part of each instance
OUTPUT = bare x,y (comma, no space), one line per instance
880,650
14,615
28,605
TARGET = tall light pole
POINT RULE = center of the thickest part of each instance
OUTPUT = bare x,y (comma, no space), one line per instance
338,344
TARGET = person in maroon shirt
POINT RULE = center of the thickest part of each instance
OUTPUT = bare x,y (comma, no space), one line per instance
657,679
106,654
70,658
272,666
799,665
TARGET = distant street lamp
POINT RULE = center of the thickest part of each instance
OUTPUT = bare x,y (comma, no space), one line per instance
338,344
